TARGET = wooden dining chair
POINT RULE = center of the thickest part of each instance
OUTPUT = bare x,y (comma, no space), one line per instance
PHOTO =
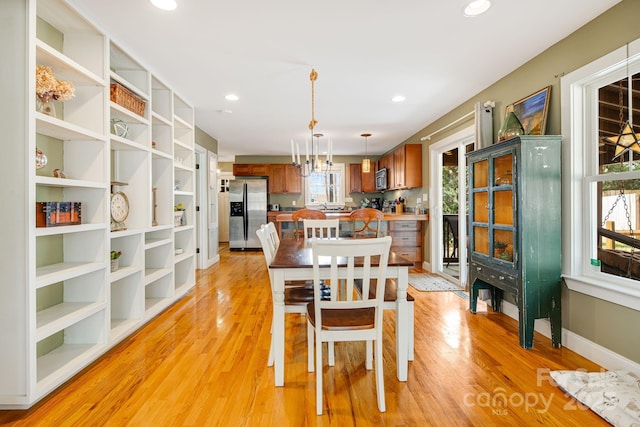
349,316
321,228
296,297
366,222
302,214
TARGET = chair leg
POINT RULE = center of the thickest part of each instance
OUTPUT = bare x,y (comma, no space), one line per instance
382,406
331,353
369,355
310,349
411,330
271,357
318,375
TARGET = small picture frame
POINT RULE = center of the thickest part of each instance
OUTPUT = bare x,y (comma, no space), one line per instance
532,111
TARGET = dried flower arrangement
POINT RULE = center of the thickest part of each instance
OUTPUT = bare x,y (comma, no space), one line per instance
48,87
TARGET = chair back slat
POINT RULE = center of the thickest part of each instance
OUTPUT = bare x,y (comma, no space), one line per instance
272,235
321,228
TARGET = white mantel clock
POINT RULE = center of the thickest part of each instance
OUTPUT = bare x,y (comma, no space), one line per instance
119,207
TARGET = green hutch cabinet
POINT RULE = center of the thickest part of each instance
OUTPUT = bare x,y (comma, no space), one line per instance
514,229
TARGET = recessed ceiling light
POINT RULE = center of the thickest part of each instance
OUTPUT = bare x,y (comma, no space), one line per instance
231,97
476,7
165,4
398,98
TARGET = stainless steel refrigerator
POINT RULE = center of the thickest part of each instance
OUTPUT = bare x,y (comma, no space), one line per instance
248,211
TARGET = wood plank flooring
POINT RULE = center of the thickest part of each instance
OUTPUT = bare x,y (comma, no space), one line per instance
203,362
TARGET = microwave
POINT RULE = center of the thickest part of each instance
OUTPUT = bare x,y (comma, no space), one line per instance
381,179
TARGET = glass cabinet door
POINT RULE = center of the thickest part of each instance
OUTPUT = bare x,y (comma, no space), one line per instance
480,214
503,209
493,206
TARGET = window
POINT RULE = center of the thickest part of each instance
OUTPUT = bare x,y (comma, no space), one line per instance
601,185
615,183
326,188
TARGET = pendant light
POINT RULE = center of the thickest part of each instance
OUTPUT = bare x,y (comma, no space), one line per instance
366,162
313,165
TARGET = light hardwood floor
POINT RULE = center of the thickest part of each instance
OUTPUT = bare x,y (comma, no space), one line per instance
204,362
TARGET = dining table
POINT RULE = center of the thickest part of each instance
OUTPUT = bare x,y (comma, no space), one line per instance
293,260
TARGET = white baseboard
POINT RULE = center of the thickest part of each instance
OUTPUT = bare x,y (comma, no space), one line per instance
584,347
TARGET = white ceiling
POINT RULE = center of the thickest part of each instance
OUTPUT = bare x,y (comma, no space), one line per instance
365,52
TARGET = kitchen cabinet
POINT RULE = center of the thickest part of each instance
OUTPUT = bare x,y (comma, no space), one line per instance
369,180
283,179
387,162
250,169
406,239
514,229
404,166
355,178
407,166
362,182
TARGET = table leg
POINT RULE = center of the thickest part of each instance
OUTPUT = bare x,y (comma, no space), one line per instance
278,325
402,324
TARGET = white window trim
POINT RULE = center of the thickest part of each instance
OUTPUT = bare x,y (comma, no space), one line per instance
579,120
337,167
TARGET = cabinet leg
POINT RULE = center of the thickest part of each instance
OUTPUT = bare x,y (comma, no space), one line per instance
473,300
525,328
555,319
496,299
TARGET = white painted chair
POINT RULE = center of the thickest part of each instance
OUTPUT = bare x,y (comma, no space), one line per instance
296,297
352,316
321,228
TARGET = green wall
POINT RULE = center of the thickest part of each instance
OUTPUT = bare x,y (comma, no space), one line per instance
607,324
205,140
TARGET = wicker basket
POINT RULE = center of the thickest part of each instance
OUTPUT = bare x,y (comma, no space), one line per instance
123,97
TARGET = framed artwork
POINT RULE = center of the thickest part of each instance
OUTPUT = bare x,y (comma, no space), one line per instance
532,111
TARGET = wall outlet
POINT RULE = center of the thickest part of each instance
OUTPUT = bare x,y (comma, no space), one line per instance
293,203
418,200
425,197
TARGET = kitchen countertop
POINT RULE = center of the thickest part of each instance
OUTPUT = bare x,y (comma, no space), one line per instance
405,216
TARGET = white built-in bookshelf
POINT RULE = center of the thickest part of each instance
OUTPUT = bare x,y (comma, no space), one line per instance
64,306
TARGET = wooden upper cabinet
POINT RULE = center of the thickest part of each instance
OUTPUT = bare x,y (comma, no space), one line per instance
277,179
293,181
407,166
369,180
387,162
399,166
256,169
355,178
283,179
362,182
